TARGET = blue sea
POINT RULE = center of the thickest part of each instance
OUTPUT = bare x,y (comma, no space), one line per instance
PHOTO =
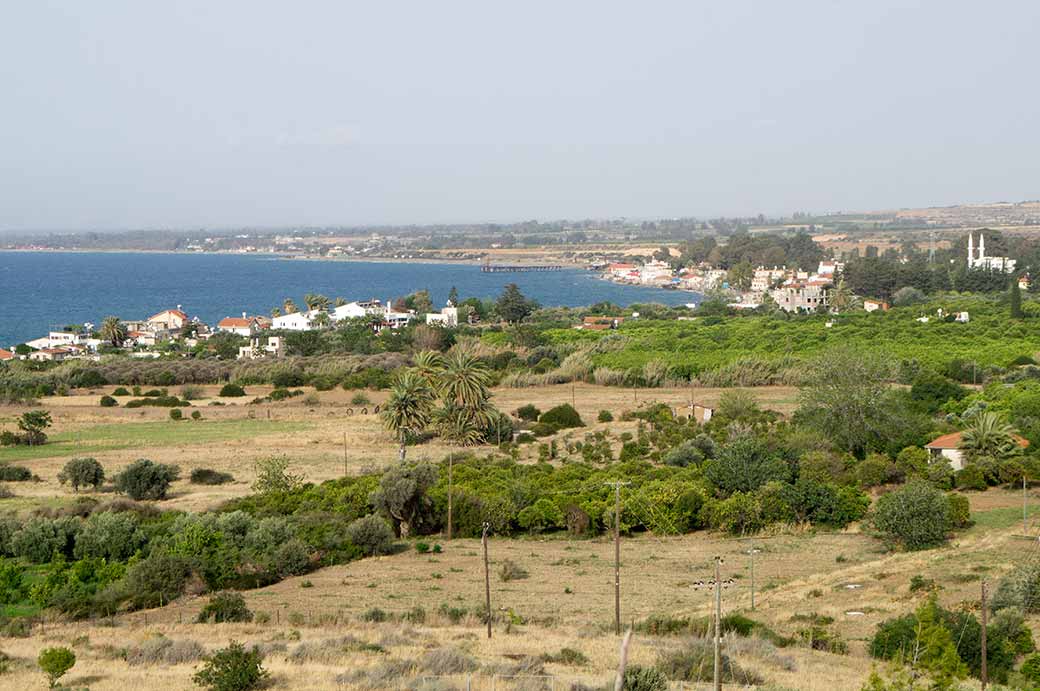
40,291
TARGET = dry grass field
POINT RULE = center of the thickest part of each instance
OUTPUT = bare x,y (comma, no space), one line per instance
323,436
316,629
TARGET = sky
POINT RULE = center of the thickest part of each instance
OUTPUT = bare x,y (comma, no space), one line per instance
191,114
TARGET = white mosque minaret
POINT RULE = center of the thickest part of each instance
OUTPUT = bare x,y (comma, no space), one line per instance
981,261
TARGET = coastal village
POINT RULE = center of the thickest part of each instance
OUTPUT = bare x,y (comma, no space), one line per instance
151,336
785,289
789,289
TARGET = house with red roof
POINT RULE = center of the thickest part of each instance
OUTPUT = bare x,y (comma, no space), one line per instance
243,326
948,446
168,320
6,355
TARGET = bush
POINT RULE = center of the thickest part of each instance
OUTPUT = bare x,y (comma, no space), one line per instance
960,510
154,581
323,383
206,476
231,391
971,477
540,516
164,651
916,516
272,475
286,379
55,662
39,539
359,399
232,669
225,607
511,571
605,416
528,412
1020,588
196,415
874,470
108,535
639,678
372,535
82,472
121,391
144,479
14,473
561,417
176,414
695,662
108,402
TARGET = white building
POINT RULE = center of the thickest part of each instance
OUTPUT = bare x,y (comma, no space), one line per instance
355,310
448,316
295,321
981,261
243,326
255,349
655,272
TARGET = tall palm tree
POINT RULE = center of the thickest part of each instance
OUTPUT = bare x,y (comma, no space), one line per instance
289,307
408,410
113,331
322,320
276,312
988,435
429,364
315,301
464,381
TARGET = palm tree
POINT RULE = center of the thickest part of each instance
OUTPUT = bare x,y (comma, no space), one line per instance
407,411
276,312
429,364
322,320
113,331
842,298
289,307
315,301
988,435
464,382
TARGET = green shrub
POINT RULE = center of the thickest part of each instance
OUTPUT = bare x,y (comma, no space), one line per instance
874,470
605,416
225,607
567,656
744,465
971,477
422,547
14,473
323,383
359,399
39,539
960,510
232,669
159,402
372,535
231,391
55,662
561,417
1031,669
1020,588
108,402
540,516
121,391
916,516
156,580
109,535
176,414
206,476
286,379
196,415
639,678
374,615
82,472
695,662
144,479
528,412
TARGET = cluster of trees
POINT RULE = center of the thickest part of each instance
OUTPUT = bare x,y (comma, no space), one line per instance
797,251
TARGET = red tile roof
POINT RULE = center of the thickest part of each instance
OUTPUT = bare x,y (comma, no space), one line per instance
953,441
6,354
234,323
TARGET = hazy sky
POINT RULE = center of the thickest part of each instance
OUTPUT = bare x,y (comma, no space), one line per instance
224,113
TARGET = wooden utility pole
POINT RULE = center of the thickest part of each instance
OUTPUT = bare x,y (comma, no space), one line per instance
573,403
487,577
619,681
1025,509
752,552
984,676
450,464
718,627
344,454
617,553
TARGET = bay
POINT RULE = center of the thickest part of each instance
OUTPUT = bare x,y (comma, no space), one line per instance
40,291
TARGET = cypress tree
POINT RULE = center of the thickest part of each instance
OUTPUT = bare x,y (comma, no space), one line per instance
1016,299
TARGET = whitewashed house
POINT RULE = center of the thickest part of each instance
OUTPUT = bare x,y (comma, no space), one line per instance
243,326
448,316
356,310
168,320
295,321
272,348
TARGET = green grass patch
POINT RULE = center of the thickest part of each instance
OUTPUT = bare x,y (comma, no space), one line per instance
1000,518
145,434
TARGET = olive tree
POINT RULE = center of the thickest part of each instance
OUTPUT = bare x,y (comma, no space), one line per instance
917,515
82,472
402,497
